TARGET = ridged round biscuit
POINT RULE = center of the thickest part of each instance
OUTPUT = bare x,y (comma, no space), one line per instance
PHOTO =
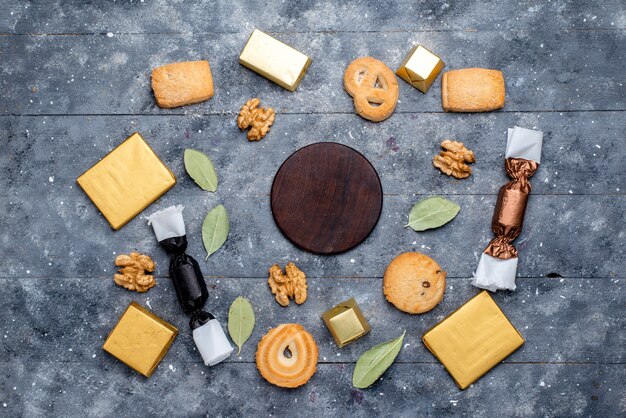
283,371
414,283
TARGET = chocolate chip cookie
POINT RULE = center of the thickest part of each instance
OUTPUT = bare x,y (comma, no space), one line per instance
414,283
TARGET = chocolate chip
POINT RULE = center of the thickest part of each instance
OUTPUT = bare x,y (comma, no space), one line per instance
425,284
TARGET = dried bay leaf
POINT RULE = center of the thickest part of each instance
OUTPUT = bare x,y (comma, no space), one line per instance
375,361
432,212
215,229
200,169
240,321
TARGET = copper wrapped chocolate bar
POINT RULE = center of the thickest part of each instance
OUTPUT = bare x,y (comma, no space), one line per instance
498,263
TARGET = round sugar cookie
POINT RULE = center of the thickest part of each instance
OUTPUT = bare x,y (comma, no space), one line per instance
414,283
287,356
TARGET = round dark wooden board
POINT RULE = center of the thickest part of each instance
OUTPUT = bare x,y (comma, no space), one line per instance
326,198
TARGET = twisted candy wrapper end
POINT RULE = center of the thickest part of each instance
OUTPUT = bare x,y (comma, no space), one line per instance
495,274
168,223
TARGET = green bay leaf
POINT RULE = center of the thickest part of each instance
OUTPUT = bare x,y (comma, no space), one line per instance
240,321
432,212
373,363
200,169
215,229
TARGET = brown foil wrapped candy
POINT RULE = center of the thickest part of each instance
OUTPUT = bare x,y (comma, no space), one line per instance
498,263
508,217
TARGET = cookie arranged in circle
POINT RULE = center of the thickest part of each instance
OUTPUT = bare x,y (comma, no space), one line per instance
287,356
414,283
373,86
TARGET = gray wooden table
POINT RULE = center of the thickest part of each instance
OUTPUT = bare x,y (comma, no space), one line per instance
75,82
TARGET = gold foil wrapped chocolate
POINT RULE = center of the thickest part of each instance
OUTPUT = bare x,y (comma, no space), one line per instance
274,60
473,339
420,68
498,263
126,181
345,322
140,339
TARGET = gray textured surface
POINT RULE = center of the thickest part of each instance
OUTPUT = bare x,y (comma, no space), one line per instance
74,82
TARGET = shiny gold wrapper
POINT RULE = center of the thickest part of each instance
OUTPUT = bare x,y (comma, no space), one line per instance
140,339
345,322
473,339
274,60
126,181
420,68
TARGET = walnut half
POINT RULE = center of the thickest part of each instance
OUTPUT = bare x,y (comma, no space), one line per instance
453,160
288,286
257,119
132,274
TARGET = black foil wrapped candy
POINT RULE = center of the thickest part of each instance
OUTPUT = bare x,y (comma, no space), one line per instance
185,272
169,228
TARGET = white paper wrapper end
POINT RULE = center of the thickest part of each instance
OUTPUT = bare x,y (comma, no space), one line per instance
212,342
495,274
524,143
168,223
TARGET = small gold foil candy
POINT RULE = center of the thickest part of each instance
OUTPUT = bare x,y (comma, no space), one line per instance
473,339
274,60
420,68
345,322
140,339
126,181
